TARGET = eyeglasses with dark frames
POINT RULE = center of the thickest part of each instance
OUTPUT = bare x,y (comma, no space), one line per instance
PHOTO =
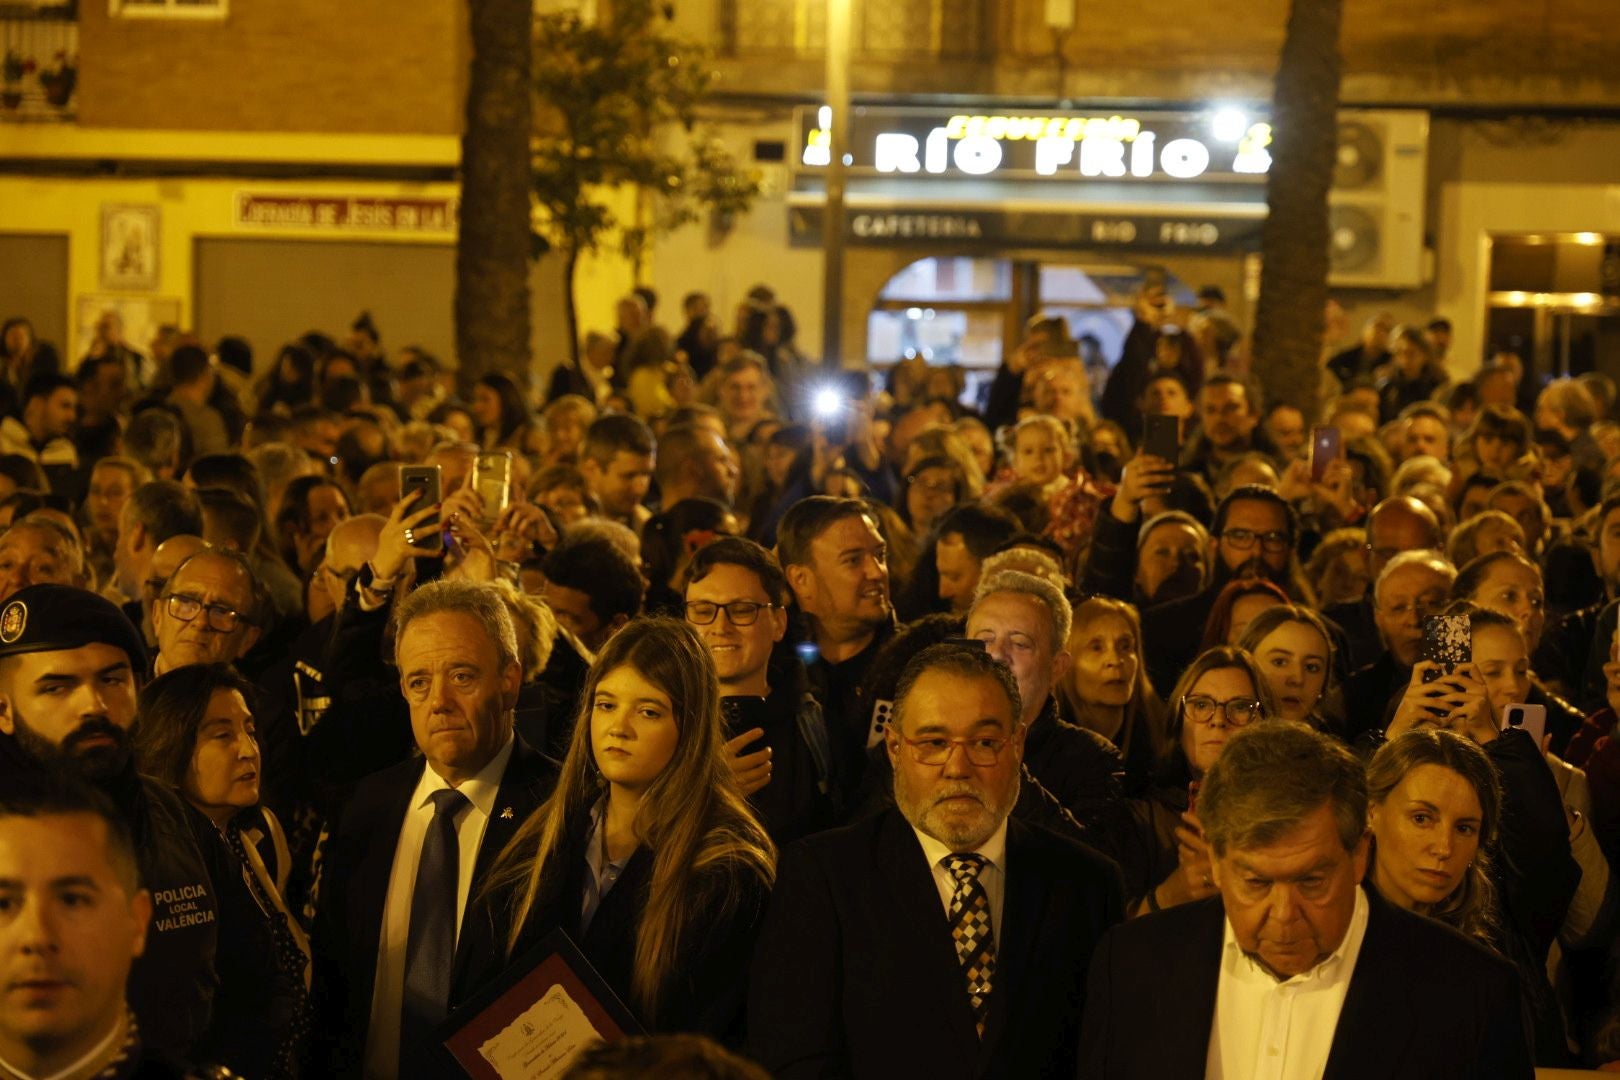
738,612
221,618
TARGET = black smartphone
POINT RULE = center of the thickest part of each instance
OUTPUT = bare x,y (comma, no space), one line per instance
1161,437
1448,640
1327,446
425,479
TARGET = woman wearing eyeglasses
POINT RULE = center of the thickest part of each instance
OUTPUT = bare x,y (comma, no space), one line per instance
1222,691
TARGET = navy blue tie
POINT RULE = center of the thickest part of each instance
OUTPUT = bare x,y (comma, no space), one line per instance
430,950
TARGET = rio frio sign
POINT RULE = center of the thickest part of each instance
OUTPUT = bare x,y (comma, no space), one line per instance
1222,144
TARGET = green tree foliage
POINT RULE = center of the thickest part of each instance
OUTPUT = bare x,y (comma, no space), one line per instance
616,105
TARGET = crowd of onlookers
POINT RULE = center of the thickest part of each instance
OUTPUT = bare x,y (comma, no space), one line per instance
861,728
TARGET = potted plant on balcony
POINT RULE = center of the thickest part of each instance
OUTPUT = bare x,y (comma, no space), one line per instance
11,76
59,79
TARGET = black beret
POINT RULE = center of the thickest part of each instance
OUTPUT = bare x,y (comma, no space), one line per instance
55,618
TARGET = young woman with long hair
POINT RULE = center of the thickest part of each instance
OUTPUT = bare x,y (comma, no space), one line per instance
646,854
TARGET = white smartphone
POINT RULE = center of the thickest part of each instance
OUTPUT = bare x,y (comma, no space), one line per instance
1531,719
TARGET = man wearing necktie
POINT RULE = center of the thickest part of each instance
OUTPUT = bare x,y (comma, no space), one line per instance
941,918
415,841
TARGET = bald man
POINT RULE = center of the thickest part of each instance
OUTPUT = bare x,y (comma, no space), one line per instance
349,545
164,562
1399,523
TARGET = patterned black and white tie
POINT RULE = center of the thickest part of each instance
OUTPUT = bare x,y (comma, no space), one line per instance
973,932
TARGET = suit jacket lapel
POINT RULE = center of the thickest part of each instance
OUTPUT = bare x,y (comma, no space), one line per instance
1188,1016
520,792
918,928
376,866
1378,999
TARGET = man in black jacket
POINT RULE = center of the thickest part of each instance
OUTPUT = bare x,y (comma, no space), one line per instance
395,885
937,939
1253,535
1296,970
69,668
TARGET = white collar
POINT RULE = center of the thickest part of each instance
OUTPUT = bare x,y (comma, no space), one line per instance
481,788
118,1031
994,849
1238,963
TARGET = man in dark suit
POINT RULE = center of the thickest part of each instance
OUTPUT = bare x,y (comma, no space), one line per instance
938,938
416,840
1296,970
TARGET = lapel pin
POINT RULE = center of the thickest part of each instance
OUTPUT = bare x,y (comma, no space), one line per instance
506,814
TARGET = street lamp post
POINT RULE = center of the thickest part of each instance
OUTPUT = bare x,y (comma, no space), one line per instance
832,298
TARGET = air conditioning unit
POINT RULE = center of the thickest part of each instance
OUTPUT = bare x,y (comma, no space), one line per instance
1376,205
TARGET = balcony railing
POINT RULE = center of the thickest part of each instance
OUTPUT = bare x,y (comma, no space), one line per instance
39,63
893,30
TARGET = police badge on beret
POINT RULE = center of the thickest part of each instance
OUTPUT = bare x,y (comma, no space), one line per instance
13,620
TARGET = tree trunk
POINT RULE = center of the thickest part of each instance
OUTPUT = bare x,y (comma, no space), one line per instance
492,256
1294,243
570,310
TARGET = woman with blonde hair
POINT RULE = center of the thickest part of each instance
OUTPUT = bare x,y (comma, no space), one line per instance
646,854
1435,803
1106,688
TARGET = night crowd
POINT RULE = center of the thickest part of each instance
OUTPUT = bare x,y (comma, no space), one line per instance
1093,720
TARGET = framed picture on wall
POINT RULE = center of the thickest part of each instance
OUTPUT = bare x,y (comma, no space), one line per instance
129,247
140,316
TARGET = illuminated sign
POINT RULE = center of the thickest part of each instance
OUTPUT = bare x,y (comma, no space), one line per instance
997,228
1223,144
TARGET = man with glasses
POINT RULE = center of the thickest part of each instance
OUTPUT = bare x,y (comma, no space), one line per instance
1297,970
1253,536
939,919
208,613
1399,523
1412,586
70,666
736,600
165,561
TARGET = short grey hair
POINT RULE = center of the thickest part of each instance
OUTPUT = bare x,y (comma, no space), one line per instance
1428,559
480,601
1270,777
1060,613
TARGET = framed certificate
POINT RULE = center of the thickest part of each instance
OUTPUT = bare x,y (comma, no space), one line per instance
534,1020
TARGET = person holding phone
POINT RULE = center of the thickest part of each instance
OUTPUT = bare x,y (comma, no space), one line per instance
1222,692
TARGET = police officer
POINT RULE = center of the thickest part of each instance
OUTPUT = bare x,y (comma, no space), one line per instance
66,954
69,664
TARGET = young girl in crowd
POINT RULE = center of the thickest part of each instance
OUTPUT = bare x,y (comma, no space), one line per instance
646,854
1043,456
1296,655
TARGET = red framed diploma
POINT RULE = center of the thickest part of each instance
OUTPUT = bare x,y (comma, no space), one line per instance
536,1018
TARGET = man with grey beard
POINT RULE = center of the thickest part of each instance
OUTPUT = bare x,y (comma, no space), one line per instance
865,922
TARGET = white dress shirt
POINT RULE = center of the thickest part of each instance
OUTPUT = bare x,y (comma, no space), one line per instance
1270,1030
993,875
388,994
